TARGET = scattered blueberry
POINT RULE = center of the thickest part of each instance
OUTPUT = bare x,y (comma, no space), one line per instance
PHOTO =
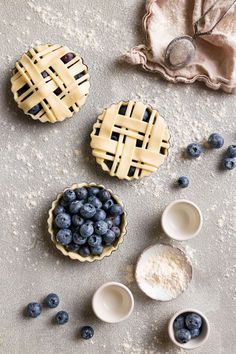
62,317
216,141
97,251
231,151
182,335
116,230
94,241
229,163
64,236
69,195
183,182
75,206
86,332
34,309
84,251
116,210
108,204
52,300
179,322
63,221
195,332
81,193
100,227
93,191
104,195
193,321
36,109
77,220
73,247
58,209
88,211
78,238
194,150
67,57
100,215
109,237
86,229
95,201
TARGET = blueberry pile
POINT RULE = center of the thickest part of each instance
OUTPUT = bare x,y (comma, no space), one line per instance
187,326
87,219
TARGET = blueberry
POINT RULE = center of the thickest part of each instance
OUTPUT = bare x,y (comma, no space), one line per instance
108,204
109,223
146,116
62,317
94,241
179,322
34,309
116,221
216,141
109,237
104,195
58,210
69,195
231,151
73,247
86,332
93,191
183,182
86,230
52,300
81,193
195,332
64,203
229,163
100,227
64,236
194,150
100,215
78,238
193,321
182,335
88,211
97,251
95,201
84,251
77,220
63,221
36,109
116,230
67,57
116,210
75,206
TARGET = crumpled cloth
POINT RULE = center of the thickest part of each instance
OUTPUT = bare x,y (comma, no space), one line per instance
215,58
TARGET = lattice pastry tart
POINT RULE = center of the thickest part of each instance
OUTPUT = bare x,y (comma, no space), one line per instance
50,83
130,140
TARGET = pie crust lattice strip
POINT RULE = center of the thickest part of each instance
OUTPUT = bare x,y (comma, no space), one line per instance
130,140
50,83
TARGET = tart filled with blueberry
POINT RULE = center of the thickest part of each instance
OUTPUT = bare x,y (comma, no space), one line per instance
87,222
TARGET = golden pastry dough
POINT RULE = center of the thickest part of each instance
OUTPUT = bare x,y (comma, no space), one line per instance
130,140
50,83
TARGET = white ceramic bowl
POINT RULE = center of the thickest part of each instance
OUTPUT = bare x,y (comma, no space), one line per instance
195,342
113,302
152,275
181,220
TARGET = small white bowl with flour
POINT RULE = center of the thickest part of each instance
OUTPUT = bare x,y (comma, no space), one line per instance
163,272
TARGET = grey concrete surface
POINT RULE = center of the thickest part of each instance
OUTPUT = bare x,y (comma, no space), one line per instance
38,160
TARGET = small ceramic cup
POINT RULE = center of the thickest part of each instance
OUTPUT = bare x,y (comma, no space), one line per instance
113,302
181,220
195,342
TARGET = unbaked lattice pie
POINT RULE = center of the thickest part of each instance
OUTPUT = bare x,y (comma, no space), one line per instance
50,83
130,140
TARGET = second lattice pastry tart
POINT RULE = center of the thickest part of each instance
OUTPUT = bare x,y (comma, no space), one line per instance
50,83
130,140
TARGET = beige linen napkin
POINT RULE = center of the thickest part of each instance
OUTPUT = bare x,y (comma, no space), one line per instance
215,59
